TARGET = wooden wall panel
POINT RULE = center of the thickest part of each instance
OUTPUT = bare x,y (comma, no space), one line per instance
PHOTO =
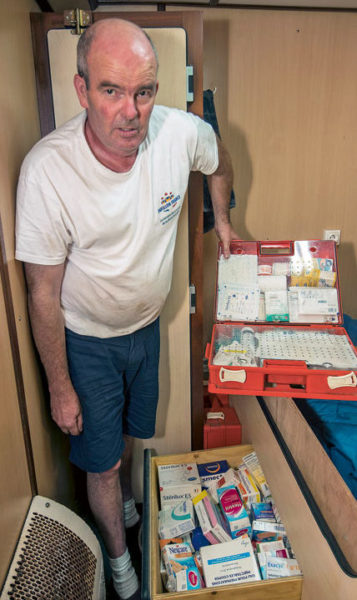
15,487
323,578
286,93
19,131
320,474
15,484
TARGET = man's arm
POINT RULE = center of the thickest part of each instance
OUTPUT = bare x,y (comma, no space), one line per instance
220,185
44,287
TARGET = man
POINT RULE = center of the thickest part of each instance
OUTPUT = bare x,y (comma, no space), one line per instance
96,232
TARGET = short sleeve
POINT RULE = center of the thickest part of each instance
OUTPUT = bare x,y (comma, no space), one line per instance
41,233
205,157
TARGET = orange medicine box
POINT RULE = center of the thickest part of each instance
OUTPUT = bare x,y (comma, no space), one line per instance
278,328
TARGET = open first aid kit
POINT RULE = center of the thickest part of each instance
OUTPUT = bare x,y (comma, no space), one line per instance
279,319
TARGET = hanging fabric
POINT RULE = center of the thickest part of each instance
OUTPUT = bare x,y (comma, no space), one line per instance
209,115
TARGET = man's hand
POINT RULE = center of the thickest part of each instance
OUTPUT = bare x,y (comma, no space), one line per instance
225,234
66,410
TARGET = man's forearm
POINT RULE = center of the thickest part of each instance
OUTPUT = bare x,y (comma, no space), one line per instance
48,331
220,186
44,291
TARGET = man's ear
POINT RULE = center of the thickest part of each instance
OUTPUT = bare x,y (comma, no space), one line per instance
81,89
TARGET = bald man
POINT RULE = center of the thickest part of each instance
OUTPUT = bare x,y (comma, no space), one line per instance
97,212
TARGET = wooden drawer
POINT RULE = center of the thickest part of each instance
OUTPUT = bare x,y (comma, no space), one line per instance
279,589
315,504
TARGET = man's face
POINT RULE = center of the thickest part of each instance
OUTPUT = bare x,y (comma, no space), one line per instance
120,98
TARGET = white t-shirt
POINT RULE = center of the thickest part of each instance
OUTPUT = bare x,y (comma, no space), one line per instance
116,231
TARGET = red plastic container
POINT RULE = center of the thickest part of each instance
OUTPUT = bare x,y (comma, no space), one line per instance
225,429
285,351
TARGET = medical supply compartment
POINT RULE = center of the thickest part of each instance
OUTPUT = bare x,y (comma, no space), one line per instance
287,588
278,327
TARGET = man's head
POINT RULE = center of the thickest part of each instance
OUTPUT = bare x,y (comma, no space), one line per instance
116,83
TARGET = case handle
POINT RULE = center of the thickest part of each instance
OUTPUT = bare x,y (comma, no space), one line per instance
276,248
215,415
349,380
239,376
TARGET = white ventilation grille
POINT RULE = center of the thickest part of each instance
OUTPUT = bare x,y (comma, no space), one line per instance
57,558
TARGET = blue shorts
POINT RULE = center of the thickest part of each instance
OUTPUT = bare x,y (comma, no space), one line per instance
116,380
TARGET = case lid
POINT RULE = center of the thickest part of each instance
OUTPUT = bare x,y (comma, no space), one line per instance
288,282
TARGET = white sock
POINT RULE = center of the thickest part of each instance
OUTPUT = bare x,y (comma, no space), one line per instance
131,515
125,580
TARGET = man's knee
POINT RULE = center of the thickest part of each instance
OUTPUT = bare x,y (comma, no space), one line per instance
111,473
116,466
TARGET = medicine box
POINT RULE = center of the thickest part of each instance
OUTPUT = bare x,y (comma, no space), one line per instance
177,520
229,563
264,531
262,511
228,478
210,519
234,511
279,320
210,472
178,482
182,572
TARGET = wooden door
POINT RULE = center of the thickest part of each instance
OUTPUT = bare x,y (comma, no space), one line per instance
173,431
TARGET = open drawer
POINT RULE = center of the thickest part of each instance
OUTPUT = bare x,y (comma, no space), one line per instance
314,502
288,588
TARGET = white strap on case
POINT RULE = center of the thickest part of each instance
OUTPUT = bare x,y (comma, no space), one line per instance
239,376
215,415
349,380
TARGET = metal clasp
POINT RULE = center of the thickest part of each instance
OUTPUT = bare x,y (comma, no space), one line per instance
77,19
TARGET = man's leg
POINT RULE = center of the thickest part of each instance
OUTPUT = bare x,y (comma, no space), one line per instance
131,515
125,468
105,500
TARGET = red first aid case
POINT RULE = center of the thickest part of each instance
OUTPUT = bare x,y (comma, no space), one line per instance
222,426
278,329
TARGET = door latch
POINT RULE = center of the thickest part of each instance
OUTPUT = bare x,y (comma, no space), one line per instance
77,19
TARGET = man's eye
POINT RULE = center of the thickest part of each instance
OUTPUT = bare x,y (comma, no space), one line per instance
110,91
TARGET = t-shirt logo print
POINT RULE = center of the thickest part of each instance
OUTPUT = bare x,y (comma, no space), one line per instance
169,207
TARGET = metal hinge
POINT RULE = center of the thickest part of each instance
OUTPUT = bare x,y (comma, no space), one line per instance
77,19
192,299
189,84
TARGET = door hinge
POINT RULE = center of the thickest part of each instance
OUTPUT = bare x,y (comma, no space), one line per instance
77,19
192,299
189,84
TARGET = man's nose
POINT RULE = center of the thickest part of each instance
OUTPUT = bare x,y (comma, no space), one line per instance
129,108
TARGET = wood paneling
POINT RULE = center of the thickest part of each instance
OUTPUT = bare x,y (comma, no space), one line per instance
19,131
15,487
326,484
323,577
